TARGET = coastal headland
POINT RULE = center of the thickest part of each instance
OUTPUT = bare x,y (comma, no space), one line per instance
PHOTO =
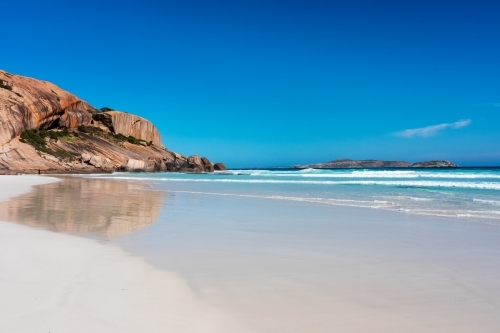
46,130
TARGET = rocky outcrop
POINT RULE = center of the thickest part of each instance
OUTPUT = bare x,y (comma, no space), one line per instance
26,103
97,161
63,134
208,166
369,164
129,125
434,164
140,165
347,163
219,167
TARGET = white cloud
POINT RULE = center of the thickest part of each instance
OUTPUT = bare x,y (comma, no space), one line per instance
428,131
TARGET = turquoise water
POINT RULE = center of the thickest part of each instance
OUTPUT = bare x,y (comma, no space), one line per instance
465,193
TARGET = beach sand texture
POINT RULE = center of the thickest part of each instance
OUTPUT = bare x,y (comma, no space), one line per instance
209,263
52,282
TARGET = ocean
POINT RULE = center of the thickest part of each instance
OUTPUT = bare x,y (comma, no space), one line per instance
467,193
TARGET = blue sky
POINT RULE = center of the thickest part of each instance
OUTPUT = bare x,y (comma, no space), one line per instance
276,83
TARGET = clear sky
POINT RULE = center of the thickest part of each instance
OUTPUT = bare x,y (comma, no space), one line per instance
276,83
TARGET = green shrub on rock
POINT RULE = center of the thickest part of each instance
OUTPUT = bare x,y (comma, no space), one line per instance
33,138
36,139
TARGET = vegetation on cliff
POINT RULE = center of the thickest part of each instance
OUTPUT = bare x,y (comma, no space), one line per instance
41,140
38,139
118,137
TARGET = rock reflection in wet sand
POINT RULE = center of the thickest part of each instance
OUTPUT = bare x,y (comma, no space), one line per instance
97,207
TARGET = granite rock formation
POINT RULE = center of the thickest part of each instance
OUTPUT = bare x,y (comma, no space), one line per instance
370,164
129,125
219,167
26,103
44,129
434,164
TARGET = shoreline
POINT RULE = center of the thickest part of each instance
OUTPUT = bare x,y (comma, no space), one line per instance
390,202
23,172
56,282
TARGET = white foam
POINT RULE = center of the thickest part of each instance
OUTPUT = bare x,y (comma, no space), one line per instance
327,173
401,190
375,204
493,202
403,183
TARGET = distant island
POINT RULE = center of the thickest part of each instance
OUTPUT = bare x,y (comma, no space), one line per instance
372,164
44,129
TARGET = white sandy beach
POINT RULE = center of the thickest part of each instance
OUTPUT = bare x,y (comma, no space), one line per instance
52,282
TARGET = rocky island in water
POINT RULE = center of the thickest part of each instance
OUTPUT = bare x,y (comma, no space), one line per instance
369,164
44,129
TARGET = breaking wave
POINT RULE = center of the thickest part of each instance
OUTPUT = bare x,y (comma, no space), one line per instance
402,183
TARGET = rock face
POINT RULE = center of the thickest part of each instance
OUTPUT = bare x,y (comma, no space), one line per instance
130,125
63,134
26,103
369,164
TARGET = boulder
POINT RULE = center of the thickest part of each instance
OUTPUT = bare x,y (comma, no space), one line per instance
106,164
208,166
96,161
86,157
219,167
195,160
140,165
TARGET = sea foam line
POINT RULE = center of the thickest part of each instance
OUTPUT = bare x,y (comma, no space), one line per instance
409,183
376,175
366,174
375,204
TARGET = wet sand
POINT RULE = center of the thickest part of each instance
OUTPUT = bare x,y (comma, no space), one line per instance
281,266
100,209
55,282
232,264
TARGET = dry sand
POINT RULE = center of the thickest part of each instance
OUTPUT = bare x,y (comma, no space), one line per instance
52,282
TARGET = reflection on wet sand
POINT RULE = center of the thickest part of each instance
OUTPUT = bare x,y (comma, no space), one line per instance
106,208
